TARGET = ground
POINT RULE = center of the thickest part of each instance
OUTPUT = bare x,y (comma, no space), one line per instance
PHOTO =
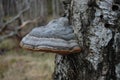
19,64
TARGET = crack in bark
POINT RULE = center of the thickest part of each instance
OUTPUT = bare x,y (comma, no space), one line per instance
106,69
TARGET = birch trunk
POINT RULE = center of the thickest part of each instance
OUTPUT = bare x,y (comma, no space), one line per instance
97,27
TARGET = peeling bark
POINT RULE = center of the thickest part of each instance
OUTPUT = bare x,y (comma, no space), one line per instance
97,27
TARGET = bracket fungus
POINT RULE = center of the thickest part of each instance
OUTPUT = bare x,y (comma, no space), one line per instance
57,36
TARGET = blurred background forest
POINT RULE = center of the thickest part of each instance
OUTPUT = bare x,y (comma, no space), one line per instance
17,18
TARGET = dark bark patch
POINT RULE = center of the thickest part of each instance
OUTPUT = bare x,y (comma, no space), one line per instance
115,7
109,60
117,1
92,3
107,25
101,16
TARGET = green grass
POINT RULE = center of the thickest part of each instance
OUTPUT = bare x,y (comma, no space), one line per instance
20,64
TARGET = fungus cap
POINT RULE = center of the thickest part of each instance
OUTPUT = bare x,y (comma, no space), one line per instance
57,36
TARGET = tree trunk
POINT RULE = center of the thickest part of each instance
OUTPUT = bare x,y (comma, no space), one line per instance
97,27
55,8
1,13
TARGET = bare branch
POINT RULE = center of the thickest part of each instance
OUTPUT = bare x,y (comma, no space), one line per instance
7,36
15,32
29,22
14,18
19,27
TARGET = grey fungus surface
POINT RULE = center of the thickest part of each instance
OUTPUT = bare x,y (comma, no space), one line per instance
57,36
